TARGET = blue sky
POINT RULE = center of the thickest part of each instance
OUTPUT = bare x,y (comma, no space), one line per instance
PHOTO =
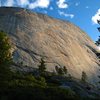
82,13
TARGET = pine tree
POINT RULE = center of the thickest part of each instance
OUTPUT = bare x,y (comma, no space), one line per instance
5,58
42,66
84,77
5,47
59,71
98,41
65,70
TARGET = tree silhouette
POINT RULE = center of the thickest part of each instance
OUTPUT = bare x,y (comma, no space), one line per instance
84,77
98,41
65,69
59,70
42,66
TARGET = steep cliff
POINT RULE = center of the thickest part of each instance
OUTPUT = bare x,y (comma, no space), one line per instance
35,36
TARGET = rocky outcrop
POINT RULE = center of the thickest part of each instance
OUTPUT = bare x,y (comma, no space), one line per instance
60,43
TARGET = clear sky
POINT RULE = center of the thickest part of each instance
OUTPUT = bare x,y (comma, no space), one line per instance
82,13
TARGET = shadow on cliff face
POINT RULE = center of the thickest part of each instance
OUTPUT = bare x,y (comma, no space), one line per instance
95,52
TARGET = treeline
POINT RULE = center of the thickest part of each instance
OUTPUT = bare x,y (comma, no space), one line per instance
31,86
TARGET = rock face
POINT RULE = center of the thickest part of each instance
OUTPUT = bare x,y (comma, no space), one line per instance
35,36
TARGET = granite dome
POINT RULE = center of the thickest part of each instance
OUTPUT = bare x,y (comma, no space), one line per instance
35,36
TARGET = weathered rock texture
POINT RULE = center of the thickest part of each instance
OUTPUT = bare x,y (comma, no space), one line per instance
58,42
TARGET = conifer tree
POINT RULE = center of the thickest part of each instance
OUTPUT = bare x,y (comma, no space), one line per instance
5,58
65,69
5,47
59,70
42,66
84,77
98,41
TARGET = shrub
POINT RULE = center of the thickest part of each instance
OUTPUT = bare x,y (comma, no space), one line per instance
59,71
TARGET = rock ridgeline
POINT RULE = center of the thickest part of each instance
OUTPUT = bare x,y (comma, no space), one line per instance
35,36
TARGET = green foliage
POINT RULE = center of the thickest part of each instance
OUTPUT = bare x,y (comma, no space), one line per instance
25,86
84,77
5,75
30,77
5,54
98,42
60,93
42,66
37,93
5,59
26,80
42,81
